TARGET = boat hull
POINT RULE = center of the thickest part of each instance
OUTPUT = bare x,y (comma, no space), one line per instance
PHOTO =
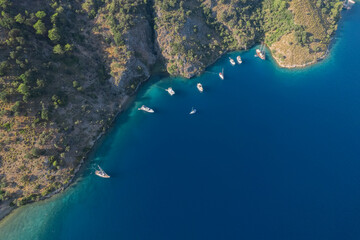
170,91
192,112
260,54
239,60
98,173
146,109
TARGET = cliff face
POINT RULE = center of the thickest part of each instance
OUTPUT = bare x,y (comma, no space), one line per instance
67,67
185,41
125,30
193,34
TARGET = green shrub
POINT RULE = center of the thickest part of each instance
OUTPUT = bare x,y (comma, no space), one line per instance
54,34
75,84
40,28
40,14
58,49
36,152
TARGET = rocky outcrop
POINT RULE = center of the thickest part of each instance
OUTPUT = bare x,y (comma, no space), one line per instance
185,41
307,40
127,47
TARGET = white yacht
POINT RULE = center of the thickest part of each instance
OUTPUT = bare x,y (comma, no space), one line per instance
200,87
145,109
170,91
232,61
239,60
193,111
261,52
221,75
101,173
348,4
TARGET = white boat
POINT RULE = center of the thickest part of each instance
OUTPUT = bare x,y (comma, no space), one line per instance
200,87
145,109
101,173
261,52
170,91
221,75
348,4
232,61
239,60
193,111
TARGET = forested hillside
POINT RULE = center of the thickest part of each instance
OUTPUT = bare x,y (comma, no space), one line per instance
67,67
298,32
56,97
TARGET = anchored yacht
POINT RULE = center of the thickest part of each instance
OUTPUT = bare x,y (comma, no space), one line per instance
193,111
221,75
348,4
232,61
261,52
101,173
145,109
239,60
200,87
170,91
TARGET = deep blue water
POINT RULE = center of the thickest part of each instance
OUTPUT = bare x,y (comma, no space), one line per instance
271,154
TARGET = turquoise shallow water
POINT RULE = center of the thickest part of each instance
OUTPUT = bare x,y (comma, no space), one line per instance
271,154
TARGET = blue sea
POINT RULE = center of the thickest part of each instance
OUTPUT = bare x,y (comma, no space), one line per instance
271,154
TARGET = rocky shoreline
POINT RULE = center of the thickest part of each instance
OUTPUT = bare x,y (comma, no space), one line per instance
186,38
6,208
315,61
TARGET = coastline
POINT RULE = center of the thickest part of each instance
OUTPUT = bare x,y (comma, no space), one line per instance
315,61
318,59
6,209
133,192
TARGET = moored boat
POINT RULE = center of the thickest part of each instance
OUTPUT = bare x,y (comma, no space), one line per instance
146,109
348,4
221,75
239,60
261,52
170,91
200,87
193,111
232,61
101,173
